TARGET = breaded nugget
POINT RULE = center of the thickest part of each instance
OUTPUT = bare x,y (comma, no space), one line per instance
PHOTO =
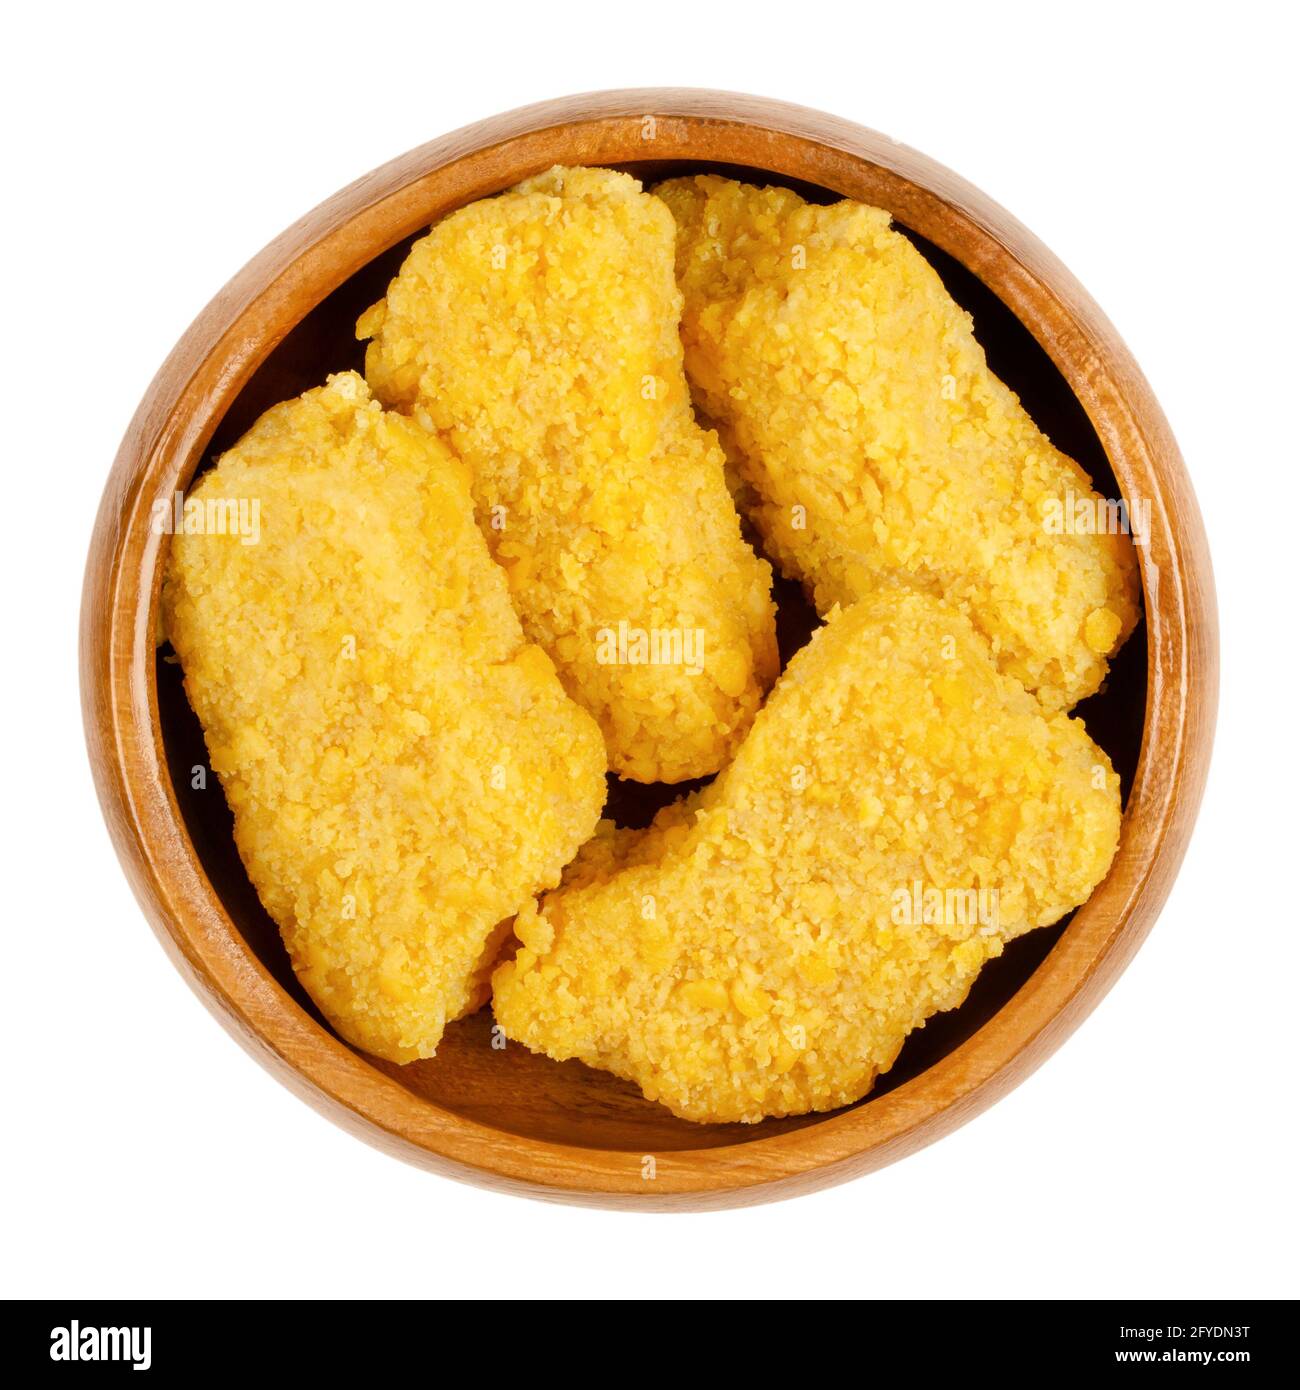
872,439
900,809
536,333
404,770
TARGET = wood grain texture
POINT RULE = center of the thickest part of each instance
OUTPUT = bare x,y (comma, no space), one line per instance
505,1118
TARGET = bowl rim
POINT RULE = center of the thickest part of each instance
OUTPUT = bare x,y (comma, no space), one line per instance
233,335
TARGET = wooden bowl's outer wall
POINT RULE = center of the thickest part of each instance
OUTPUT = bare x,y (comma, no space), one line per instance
234,334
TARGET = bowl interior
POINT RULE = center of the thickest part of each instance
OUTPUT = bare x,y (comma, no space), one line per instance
511,1089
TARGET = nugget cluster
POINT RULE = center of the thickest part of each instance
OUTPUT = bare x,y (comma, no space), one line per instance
872,441
524,564
537,334
405,770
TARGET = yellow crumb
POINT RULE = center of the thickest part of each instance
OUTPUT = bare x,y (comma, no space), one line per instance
404,770
872,441
1102,629
536,333
899,810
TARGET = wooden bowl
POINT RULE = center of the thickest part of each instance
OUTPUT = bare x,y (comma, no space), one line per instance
506,1118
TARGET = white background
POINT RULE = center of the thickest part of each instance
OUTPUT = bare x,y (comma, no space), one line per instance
150,152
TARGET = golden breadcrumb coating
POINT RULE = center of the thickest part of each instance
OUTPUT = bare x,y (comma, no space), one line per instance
536,333
899,810
871,438
613,847
404,770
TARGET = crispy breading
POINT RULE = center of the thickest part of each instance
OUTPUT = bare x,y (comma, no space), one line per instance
405,771
899,810
871,439
536,333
